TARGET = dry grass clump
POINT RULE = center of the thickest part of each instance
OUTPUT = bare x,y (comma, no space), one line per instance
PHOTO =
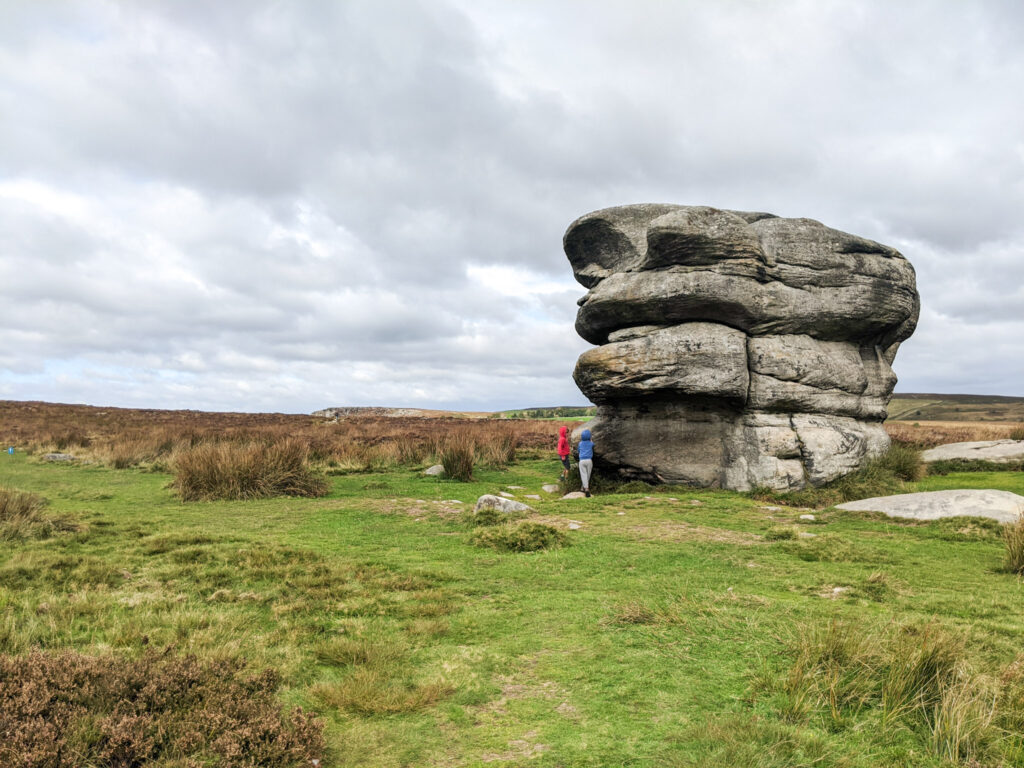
70,709
245,471
372,691
21,517
457,455
1013,537
1017,433
919,679
520,537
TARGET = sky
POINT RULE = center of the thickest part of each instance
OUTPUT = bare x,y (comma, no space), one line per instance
286,206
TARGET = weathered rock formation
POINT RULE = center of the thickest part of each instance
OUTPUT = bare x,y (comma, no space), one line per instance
736,349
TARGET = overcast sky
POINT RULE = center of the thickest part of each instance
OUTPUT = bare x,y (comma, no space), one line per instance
283,206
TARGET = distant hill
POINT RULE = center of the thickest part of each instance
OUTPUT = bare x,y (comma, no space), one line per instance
937,407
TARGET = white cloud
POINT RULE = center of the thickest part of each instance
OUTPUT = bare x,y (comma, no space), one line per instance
285,206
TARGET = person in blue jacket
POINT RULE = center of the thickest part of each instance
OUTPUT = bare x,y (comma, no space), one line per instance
586,449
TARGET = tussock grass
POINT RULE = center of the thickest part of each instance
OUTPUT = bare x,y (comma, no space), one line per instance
22,517
245,471
916,678
457,455
1017,433
781,533
520,537
1013,538
372,691
946,466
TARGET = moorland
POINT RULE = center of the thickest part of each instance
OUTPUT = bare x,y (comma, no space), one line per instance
371,619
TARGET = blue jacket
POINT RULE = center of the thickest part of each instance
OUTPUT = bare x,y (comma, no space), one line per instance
586,447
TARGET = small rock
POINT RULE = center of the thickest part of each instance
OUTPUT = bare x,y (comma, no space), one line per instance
837,591
806,535
575,495
550,488
672,498
506,495
696,503
772,509
812,518
58,457
574,526
435,470
620,513
489,501
515,487
532,496
452,501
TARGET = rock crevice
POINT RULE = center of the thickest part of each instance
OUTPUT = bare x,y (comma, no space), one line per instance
736,349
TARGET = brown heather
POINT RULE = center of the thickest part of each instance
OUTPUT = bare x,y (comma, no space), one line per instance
927,434
66,709
121,437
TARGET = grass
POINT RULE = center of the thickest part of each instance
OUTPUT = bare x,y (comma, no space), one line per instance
245,471
675,630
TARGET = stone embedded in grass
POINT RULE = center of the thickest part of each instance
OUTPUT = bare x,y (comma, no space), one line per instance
508,506
996,451
435,471
58,457
575,495
550,488
1003,506
505,495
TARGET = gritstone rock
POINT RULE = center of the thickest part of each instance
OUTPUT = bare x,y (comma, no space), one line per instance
507,506
996,451
1003,506
735,349
437,470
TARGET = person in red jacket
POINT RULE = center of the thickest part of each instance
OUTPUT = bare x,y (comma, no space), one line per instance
564,449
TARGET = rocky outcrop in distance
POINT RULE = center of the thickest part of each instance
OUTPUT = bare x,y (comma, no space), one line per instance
736,349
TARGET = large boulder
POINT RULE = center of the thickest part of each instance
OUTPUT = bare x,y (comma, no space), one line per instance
736,349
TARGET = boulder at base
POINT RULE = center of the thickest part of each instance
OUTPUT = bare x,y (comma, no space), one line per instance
437,470
1003,506
998,451
508,506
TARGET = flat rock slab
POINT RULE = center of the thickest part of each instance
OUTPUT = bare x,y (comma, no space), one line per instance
1003,506
502,505
550,488
986,450
58,457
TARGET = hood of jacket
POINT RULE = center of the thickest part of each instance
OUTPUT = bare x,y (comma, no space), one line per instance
586,434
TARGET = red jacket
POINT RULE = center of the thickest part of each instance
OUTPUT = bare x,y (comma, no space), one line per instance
564,449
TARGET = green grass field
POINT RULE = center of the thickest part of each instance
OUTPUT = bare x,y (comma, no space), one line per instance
664,635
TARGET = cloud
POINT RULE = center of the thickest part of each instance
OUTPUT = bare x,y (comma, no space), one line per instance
291,205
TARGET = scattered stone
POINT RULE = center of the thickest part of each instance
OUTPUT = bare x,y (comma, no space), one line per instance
435,471
58,457
452,501
489,501
506,495
620,513
806,535
532,496
771,509
736,349
574,526
696,503
835,593
812,518
998,451
1003,506
515,487
550,488
575,495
